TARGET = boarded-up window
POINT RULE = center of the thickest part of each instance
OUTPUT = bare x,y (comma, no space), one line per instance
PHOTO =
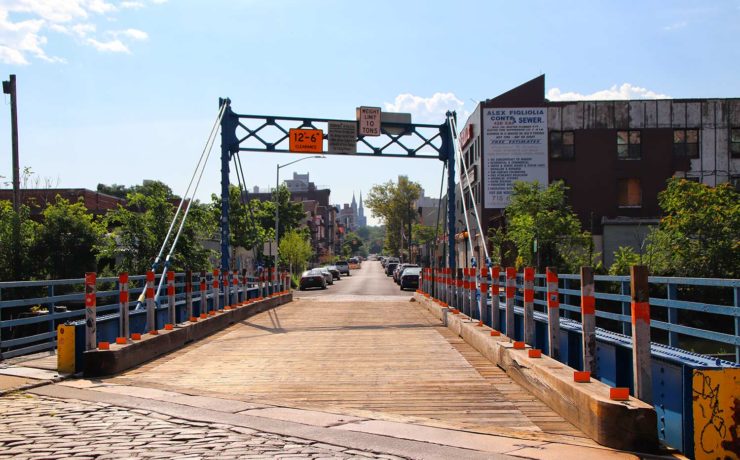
686,143
630,193
735,142
628,145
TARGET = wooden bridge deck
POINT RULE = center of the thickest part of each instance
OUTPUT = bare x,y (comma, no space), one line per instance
385,359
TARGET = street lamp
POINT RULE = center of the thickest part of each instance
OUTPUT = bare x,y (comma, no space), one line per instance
277,204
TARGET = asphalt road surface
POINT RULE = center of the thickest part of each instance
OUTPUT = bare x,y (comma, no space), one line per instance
370,280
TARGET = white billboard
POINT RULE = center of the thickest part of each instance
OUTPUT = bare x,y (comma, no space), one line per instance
515,149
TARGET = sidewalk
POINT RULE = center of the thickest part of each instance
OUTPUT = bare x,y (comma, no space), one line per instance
27,372
100,420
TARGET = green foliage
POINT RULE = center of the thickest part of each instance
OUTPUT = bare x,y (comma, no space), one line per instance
16,244
699,234
373,238
542,215
66,245
295,249
252,223
624,258
393,203
139,231
352,245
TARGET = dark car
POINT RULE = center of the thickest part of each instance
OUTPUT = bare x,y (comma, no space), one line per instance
312,278
327,275
343,267
397,272
409,278
389,267
334,271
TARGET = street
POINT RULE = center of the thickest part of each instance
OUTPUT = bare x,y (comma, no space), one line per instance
370,280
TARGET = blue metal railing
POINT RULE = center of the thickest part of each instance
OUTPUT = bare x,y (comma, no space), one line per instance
30,311
667,307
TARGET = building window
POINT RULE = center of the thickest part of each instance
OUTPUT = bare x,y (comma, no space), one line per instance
562,145
630,193
735,181
686,143
628,145
735,142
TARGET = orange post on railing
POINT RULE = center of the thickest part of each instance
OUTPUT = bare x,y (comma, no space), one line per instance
495,299
151,312
510,299
529,305
553,312
123,319
588,319
215,290
91,323
641,360
172,312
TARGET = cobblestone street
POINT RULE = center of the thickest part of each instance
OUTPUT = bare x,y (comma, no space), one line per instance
33,427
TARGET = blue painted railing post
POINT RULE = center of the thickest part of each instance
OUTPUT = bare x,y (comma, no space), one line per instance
626,307
672,314
50,307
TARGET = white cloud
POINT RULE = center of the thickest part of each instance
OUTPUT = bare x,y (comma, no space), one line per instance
26,38
427,109
134,34
622,92
676,26
131,5
111,46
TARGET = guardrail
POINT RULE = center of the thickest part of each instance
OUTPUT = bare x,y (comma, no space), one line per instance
628,332
30,311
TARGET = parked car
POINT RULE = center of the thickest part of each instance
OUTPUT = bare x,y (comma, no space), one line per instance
399,269
327,274
343,267
389,267
409,279
312,278
334,271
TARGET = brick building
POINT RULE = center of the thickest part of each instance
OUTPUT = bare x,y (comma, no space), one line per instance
615,156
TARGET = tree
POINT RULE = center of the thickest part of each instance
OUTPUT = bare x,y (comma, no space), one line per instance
139,230
67,243
699,234
295,249
19,246
252,222
352,245
393,203
542,230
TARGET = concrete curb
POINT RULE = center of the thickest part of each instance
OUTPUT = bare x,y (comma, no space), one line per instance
122,357
625,425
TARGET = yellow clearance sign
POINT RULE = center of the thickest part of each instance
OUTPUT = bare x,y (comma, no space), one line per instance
306,140
716,395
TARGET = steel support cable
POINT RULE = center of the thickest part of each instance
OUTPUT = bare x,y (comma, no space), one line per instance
464,206
458,148
243,194
214,129
207,151
439,207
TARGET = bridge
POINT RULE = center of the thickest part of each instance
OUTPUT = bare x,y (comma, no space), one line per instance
236,365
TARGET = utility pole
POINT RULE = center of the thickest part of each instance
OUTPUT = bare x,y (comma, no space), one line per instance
9,87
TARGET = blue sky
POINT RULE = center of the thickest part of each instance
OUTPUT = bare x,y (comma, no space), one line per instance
117,92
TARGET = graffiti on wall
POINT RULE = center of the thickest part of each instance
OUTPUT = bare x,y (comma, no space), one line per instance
716,400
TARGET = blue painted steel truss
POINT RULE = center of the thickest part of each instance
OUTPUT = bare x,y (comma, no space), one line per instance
266,133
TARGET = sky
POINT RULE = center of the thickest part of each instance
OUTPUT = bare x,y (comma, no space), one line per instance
122,91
